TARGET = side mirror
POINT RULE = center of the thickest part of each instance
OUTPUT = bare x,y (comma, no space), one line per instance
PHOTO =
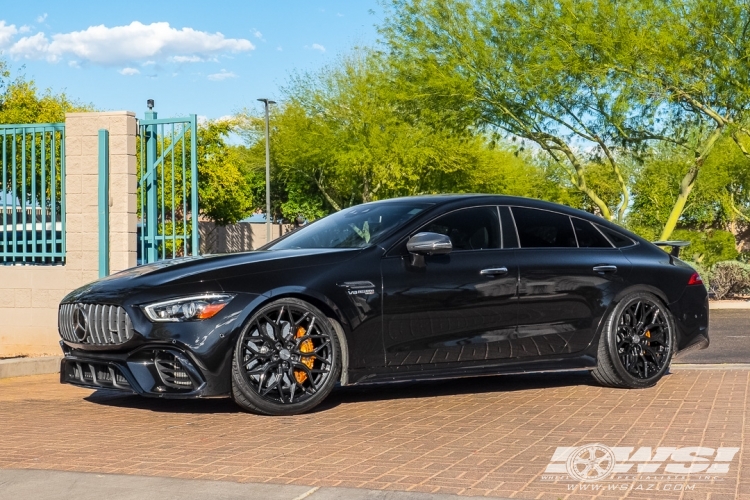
429,244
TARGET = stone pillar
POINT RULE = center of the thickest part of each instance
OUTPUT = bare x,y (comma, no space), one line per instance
82,174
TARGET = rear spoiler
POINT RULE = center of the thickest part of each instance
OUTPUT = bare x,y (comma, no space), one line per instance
676,246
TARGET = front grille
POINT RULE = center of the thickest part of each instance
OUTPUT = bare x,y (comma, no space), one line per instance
96,324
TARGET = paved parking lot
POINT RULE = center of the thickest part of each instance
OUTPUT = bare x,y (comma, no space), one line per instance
491,436
729,330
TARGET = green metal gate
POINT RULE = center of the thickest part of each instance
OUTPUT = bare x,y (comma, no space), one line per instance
32,193
167,188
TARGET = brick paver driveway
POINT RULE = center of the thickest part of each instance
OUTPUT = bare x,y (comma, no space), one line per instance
489,436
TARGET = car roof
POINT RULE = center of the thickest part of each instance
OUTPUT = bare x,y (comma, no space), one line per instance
459,200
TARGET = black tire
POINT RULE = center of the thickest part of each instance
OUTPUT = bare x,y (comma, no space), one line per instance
636,344
287,359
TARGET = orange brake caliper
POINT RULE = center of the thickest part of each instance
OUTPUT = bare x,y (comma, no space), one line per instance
306,346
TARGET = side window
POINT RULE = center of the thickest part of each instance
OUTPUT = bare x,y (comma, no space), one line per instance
617,239
469,229
588,236
543,229
510,240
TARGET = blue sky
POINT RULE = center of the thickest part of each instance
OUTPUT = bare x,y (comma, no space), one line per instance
206,57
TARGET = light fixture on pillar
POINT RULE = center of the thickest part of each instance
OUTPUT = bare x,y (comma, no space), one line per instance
150,104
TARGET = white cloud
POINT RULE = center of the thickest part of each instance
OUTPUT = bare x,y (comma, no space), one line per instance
221,75
125,44
259,35
339,14
34,46
129,71
148,63
24,29
280,49
186,59
42,18
317,46
74,64
6,33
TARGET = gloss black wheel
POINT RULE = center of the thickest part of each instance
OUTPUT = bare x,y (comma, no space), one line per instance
286,360
637,343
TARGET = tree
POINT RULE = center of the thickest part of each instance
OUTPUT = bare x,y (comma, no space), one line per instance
348,135
685,59
498,60
589,81
21,102
224,190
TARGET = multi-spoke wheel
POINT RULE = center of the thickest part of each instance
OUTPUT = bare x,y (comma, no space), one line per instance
637,343
286,360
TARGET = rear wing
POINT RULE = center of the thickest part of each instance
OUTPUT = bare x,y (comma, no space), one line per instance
676,246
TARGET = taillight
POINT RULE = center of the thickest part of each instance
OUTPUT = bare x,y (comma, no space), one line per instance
695,279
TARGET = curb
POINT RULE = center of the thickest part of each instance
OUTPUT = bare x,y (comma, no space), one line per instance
21,367
728,304
709,366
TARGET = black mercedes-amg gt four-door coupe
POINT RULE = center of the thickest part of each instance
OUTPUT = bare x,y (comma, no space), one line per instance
403,289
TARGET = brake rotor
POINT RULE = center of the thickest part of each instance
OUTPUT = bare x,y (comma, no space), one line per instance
305,346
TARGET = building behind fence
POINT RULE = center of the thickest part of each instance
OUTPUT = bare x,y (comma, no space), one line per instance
240,237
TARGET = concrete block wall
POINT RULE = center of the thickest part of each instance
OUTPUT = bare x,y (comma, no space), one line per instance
29,295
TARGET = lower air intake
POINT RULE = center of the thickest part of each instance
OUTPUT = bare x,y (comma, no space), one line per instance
171,371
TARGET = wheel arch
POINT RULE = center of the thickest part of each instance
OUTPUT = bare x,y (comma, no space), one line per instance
593,346
319,300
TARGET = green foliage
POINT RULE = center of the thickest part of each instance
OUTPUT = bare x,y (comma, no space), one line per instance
21,102
224,192
668,73
223,185
707,247
348,134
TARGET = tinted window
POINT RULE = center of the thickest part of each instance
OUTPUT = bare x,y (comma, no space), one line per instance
509,228
543,229
353,227
617,239
469,228
588,236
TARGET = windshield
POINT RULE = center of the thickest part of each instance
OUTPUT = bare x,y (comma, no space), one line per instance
354,227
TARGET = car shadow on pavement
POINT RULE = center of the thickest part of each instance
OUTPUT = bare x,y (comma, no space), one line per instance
358,394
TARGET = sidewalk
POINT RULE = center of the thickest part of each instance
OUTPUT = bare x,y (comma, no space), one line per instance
54,485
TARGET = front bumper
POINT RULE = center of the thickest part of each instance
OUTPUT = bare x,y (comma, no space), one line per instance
173,360
148,371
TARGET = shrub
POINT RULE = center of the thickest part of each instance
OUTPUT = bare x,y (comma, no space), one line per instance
707,247
730,277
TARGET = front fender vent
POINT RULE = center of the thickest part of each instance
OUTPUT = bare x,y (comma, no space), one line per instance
94,324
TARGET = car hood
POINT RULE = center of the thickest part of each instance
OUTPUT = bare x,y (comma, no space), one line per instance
209,269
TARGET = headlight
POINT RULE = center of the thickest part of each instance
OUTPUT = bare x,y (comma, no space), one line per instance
197,307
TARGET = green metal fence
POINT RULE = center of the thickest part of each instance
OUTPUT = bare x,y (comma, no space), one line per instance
32,194
167,188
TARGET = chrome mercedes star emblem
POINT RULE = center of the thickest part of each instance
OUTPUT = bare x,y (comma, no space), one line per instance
80,322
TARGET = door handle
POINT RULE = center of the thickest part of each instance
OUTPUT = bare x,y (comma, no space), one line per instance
493,271
605,269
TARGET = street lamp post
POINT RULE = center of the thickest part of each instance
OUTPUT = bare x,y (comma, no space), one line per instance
266,104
